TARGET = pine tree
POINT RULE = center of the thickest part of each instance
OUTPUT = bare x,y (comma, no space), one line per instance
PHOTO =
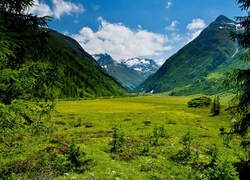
240,78
28,78
215,109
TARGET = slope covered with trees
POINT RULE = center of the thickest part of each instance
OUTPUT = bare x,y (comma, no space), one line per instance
81,75
38,66
240,79
199,66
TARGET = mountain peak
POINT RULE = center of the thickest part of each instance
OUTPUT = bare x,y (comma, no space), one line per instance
104,59
223,19
141,64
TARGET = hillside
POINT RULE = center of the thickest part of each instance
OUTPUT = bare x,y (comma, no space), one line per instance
82,76
129,73
199,66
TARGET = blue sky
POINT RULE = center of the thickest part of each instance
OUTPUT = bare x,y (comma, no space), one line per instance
130,28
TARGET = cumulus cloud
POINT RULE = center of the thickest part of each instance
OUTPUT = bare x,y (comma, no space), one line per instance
121,42
41,9
196,24
172,26
169,4
62,7
96,7
176,37
195,28
194,35
59,7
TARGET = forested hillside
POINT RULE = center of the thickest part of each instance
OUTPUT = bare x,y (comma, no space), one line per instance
81,74
38,66
199,66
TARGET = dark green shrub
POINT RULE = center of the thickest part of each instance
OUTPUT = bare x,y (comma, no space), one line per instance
146,122
118,140
88,124
215,108
158,132
202,101
78,159
47,163
185,153
222,170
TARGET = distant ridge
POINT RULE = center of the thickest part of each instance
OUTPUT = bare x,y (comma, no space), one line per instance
129,73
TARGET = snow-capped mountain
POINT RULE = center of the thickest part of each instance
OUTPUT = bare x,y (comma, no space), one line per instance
142,65
129,73
104,60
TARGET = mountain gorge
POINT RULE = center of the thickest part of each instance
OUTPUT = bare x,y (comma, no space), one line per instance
129,73
199,66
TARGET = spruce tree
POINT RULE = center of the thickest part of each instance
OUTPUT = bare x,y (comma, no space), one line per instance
215,109
240,78
28,73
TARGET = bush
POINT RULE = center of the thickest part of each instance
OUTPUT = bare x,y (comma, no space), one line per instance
48,163
222,169
202,101
215,109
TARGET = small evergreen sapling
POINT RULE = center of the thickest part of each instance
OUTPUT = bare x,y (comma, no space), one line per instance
215,109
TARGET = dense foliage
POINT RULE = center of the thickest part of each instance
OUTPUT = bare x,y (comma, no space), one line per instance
202,101
28,78
38,66
240,78
81,76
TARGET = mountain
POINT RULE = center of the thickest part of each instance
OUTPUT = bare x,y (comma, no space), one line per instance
200,65
129,73
143,65
81,75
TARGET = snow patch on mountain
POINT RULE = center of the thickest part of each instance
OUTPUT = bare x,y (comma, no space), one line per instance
140,64
96,57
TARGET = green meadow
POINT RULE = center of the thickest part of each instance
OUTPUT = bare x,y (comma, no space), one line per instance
147,137
90,123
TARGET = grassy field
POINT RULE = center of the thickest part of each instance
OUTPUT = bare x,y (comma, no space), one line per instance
90,123
147,137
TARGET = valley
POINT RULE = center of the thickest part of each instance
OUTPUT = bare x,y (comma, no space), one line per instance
143,153
67,114
130,73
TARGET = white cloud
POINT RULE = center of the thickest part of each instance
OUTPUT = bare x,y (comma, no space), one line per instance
95,7
62,7
195,28
59,7
169,4
176,37
66,32
172,26
41,9
194,35
196,24
121,42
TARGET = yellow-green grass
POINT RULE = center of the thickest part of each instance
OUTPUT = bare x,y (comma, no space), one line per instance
90,123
